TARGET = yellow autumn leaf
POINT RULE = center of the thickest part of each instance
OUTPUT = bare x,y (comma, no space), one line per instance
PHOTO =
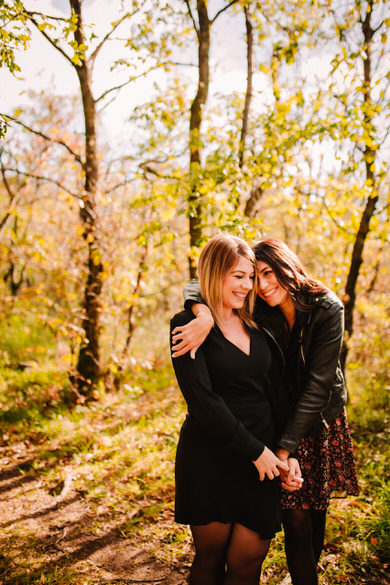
168,214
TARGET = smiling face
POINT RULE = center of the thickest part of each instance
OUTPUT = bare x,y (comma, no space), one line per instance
237,283
269,288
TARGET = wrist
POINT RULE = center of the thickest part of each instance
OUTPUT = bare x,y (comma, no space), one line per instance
283,454
204,313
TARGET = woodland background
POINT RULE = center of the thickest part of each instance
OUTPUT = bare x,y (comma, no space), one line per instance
187,117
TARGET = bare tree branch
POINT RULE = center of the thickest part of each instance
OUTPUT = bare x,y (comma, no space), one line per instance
12,18
100,110
334,220
121,85
12,197
145,166
41,178
11,194
118,186
59,18
135,293
223,10
117,87
376,268
180,64
100,45
48,38
192,17
327,209
38,133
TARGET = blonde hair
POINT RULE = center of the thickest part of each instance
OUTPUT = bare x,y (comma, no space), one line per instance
219,255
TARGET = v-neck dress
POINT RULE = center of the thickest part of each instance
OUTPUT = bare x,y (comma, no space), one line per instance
229,422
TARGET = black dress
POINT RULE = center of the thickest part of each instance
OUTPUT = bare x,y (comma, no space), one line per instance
228,423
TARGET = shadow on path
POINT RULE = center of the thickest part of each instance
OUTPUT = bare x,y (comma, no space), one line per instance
57,536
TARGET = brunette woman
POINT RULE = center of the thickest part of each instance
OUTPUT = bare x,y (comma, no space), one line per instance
227,485
306,321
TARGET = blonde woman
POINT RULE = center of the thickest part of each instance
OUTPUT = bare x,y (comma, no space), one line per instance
227,476
306,320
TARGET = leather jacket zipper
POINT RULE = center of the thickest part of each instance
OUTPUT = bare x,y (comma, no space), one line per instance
324,422
303,356
276,343
301,347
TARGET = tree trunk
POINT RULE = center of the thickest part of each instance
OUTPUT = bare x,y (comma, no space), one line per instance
88,365
196,116
249,84
369,162
135,292
254,197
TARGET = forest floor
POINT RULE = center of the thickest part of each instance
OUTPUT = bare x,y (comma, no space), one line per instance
57,531
87,490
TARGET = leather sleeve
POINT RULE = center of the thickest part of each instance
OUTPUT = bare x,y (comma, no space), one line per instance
206,406
191,293
320,372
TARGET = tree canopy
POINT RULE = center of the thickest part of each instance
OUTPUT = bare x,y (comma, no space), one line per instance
298,148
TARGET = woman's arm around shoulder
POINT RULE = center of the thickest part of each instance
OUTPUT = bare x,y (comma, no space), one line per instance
181,318
187,336
211,412
206,406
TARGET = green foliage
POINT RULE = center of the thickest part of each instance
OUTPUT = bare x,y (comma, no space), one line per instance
27,395
315,152
119,453
370,415
23,339
14,33
378,529
313,138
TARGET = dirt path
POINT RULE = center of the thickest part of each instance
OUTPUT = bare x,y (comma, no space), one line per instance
57,533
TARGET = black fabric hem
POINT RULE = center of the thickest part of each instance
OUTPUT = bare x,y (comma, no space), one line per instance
265,535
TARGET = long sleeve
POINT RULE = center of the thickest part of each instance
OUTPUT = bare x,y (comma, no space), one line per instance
320,374
191,293
206,406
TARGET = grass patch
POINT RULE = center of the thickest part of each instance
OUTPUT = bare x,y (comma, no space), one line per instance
118,455
24,338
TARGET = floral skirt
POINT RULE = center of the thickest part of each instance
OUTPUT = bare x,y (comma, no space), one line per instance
328,468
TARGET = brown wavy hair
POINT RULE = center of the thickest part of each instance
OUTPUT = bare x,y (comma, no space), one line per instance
217,257
289,272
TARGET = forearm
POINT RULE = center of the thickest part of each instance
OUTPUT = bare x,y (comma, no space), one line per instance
307,414
188,338
208,408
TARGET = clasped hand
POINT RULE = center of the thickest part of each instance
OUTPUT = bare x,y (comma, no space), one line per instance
268,464
292,480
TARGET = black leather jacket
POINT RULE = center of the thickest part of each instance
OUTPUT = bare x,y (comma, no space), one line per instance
321,395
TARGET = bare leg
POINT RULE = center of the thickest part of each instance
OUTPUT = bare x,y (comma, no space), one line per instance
245,556
211,542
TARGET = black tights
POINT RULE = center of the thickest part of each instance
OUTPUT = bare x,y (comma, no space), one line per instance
227,554
304,532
